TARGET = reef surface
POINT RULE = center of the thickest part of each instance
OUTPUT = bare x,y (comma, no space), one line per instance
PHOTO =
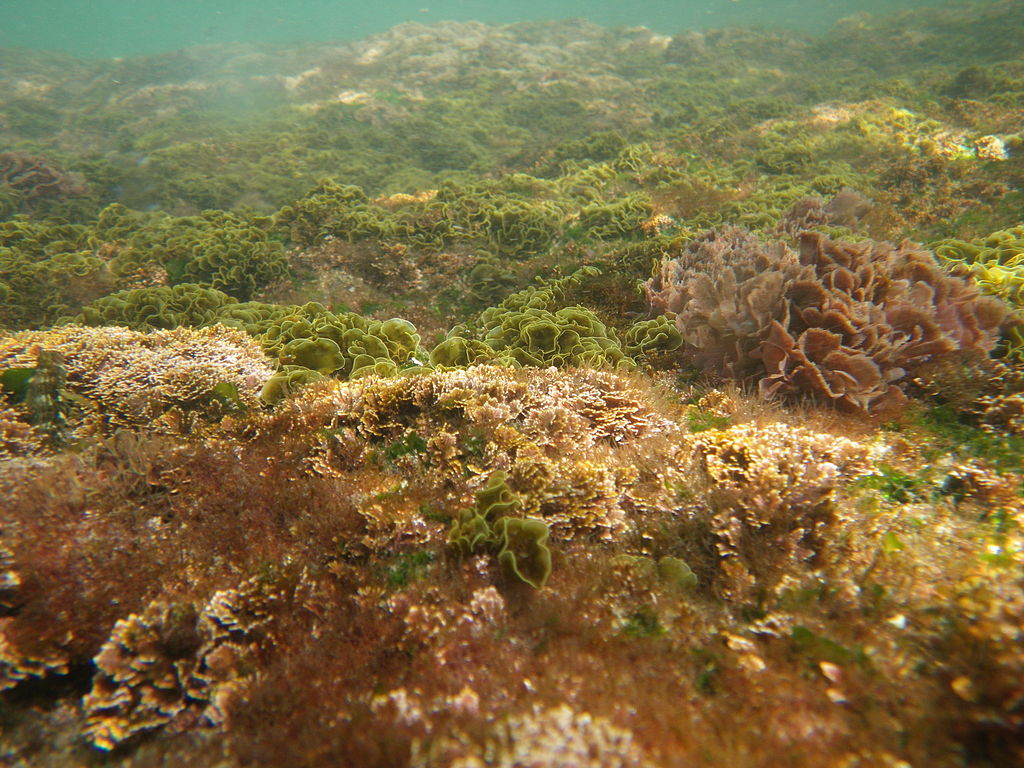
526,395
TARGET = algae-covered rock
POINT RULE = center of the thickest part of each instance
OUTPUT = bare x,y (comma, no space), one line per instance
161,379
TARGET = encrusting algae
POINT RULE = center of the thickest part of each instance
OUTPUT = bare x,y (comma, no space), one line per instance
526,395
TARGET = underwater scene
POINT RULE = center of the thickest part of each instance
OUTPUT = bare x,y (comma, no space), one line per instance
562,384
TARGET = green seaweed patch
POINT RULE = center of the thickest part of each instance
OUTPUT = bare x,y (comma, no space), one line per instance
699,420
320,354
508,219
1004,451
597,147
996,263
333,210
343,345
14,383
458,351
47,270
407,445
893,485
644,623
530,329
518,544
647,337
226,394
619,219
285,381
808,643
408,567
229,252
523,551
160,307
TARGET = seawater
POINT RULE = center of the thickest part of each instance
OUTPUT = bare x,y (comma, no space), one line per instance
113,28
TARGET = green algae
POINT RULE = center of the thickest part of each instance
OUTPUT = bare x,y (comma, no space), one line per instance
996,261
343,344
533,328
217,249
333,210
144,309
518,544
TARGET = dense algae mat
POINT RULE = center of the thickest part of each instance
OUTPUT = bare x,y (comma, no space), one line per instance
527,395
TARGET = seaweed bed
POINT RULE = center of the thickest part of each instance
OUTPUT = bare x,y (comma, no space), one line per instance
528,395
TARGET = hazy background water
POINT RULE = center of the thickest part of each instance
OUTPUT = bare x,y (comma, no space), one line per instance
126,27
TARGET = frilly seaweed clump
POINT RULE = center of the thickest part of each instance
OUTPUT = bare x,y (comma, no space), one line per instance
519,544
46,270
841,321
50,269
530,328
311,342
224,251
146,309
996,261
492,217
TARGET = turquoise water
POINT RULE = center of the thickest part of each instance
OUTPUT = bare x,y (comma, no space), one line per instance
102,28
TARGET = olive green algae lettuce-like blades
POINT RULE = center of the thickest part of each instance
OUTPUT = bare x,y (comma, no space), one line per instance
144,309
496,498
671,571
457,351
677,573
530,329
470,533
524,552
996,262
519,544
321,355
657,335
285,381
345,345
